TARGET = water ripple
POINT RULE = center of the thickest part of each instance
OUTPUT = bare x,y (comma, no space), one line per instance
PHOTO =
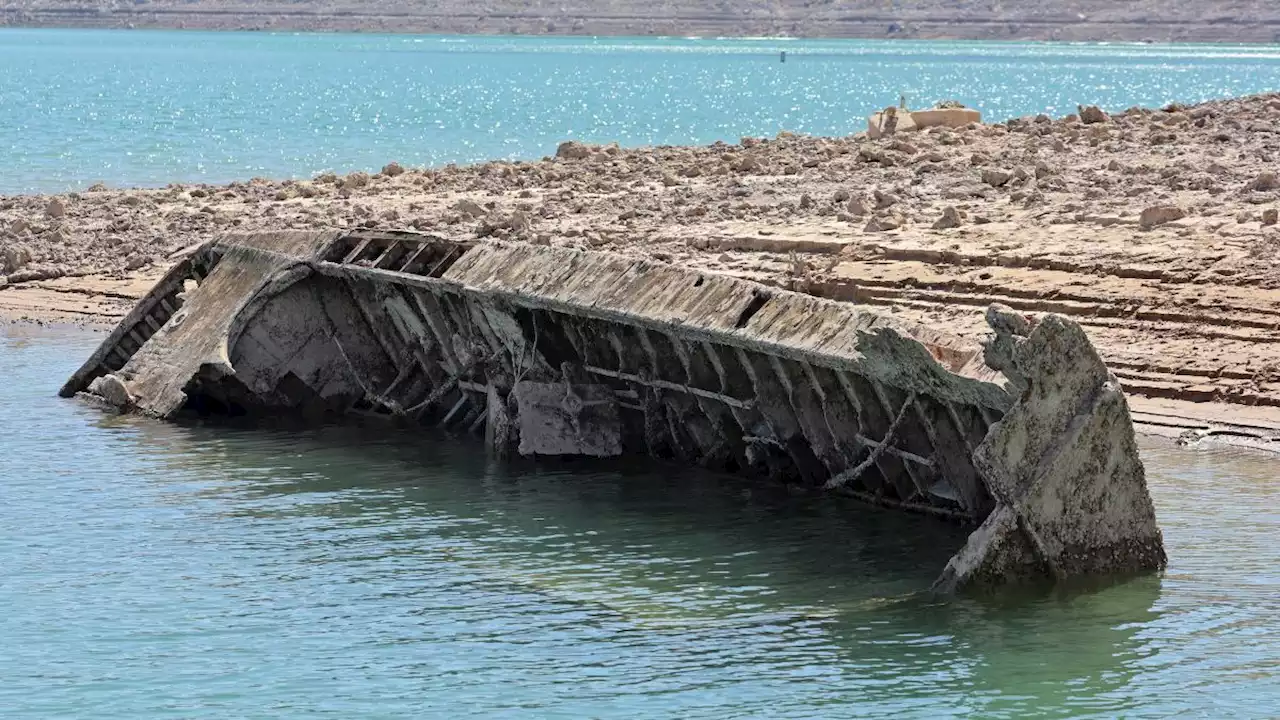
167,570
150,108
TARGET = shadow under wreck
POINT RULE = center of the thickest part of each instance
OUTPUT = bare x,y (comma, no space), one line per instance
554,351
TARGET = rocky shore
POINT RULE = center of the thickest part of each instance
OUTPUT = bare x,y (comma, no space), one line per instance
1155,228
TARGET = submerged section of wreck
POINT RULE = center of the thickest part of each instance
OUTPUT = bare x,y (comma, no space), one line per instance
553,351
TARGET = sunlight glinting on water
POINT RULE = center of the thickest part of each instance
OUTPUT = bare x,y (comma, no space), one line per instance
150,108
162,569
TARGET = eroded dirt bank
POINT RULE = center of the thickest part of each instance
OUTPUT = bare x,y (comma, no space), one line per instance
1156,229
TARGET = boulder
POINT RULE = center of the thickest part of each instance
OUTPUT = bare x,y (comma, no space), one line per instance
136,261
1159,215
13,257
355,180
517,222
1092,114
857,207
112,389
573,150
884,199
60,235
1265,181
469,208
886,221
996,178
950,219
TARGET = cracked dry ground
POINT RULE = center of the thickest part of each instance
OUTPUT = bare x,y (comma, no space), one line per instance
1044,215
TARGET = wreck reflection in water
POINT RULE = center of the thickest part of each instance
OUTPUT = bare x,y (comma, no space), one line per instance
729,579
363,573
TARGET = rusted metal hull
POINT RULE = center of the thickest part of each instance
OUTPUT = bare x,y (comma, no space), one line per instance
552,351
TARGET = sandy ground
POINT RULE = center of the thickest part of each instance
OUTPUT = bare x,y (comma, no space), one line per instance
1070,20
1155,229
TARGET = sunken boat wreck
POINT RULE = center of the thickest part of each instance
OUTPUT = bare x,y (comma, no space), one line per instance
558,351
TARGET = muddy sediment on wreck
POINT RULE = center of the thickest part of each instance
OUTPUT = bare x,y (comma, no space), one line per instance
1155,229
564,352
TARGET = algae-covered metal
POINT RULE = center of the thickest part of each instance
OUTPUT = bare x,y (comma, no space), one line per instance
561,351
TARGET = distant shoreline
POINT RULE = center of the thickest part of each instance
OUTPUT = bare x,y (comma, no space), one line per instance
1157,21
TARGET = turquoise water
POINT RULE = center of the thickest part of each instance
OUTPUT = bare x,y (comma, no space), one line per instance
161,571
149,108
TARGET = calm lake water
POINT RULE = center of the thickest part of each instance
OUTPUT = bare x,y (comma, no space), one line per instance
149,108
153,570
